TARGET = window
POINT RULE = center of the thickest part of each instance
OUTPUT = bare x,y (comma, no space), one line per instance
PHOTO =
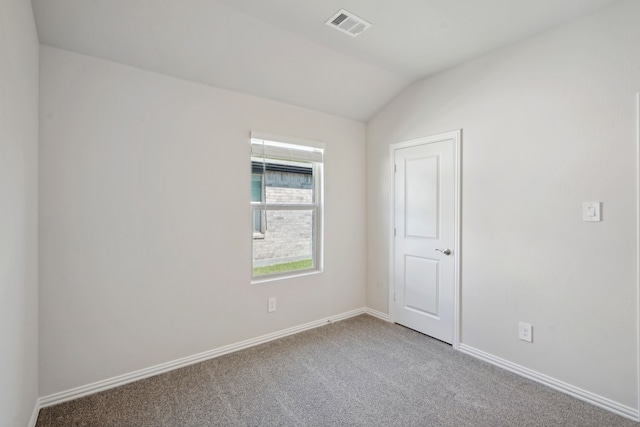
286,204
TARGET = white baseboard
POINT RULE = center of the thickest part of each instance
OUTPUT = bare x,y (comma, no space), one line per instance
98,386
378,314
75,393
34,415
578,393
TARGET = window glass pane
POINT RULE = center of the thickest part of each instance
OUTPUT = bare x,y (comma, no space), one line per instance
287,244
256,188
257,224
289,182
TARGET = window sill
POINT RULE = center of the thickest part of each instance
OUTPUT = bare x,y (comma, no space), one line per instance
275,277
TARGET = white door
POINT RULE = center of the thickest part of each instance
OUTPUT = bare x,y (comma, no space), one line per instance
425,241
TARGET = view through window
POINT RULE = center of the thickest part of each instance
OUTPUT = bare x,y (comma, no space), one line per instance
286,196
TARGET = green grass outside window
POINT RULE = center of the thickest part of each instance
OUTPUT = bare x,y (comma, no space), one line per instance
283,268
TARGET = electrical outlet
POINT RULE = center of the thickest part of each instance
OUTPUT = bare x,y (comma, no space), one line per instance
525,332
272,305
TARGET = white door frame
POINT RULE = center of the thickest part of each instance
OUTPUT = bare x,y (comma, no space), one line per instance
456,136
638,242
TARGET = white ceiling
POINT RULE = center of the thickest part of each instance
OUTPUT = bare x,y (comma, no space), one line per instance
281,49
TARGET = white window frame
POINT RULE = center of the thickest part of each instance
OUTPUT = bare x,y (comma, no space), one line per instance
279,148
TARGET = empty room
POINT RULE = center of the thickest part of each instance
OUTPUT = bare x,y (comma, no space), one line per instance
313,213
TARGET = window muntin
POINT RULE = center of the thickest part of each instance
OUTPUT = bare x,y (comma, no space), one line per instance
288,209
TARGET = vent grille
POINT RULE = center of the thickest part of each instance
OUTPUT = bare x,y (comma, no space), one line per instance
348,23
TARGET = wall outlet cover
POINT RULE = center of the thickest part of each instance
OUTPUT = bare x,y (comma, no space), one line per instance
525,332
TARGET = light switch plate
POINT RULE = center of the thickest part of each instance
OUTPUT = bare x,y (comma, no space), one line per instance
591,211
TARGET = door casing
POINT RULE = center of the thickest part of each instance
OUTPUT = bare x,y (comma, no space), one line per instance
456,136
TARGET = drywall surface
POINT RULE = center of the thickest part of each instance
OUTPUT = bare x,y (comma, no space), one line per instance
547,124
146,227
19,49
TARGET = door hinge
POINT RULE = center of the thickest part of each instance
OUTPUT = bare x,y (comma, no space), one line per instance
395,168
394,232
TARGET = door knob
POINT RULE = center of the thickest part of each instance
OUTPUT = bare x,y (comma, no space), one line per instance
444,251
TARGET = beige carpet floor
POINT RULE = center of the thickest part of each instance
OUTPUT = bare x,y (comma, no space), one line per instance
358,372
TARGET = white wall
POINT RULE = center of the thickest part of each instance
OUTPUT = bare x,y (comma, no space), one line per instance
547,124
18,212
138,171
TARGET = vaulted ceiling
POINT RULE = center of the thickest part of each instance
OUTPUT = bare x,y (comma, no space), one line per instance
282,50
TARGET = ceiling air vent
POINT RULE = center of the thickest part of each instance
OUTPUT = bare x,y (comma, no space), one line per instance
348,23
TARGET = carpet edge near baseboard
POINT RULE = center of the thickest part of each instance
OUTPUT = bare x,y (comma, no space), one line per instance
102,385
96,387
561,386
375,313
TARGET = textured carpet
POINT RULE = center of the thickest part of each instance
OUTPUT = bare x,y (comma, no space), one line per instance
358,372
